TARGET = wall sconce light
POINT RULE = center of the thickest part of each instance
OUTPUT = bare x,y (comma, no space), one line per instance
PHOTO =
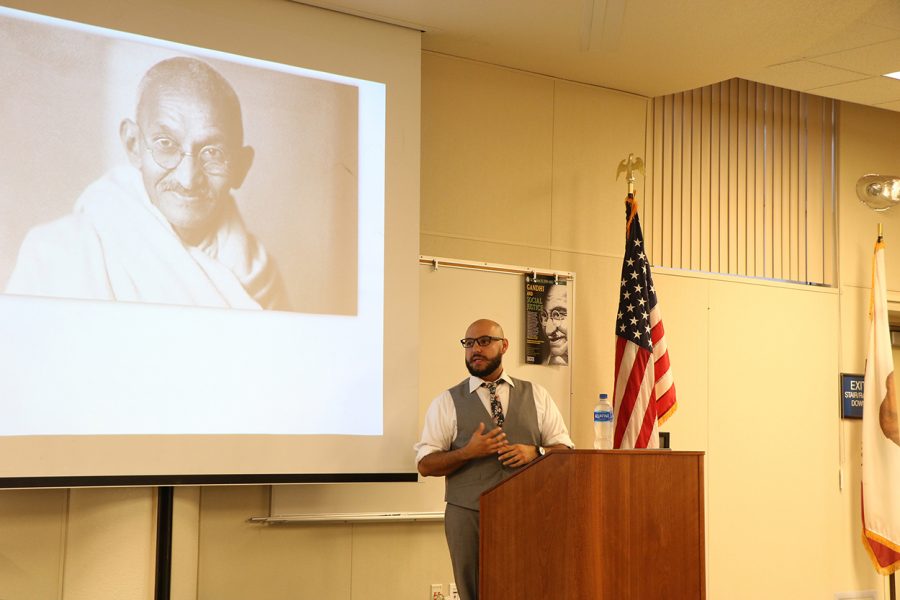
878,192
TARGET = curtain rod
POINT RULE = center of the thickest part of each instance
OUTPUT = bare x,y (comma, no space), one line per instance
438,262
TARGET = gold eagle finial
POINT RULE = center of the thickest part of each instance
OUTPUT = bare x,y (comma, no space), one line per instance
629,166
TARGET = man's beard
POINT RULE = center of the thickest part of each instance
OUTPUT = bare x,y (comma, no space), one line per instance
489,368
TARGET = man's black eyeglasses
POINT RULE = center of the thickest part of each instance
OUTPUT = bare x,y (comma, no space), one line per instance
481,341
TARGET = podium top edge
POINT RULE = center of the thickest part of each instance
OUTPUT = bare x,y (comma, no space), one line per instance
609,456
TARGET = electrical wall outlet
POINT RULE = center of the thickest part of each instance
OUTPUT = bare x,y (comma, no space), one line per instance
437,591
454,593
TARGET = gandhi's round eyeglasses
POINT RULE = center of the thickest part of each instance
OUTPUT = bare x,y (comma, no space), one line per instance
481,341
557,314
167,153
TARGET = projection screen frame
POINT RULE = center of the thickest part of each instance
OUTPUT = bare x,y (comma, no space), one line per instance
95,12
200,480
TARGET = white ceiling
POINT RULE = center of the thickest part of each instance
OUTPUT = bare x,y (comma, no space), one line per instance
833,48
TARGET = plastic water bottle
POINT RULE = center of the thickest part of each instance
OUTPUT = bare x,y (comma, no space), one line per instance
603,424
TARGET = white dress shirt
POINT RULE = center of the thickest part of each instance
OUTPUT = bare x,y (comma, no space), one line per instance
440,420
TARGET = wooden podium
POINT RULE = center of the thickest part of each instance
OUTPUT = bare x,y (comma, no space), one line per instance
596,525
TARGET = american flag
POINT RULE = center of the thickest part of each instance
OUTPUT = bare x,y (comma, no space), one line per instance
644,394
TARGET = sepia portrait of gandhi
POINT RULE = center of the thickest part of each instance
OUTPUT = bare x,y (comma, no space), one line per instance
555,324
165,229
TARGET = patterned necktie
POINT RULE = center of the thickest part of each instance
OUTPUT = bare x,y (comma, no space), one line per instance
496,409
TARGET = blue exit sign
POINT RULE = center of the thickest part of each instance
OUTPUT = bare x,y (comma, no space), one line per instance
851,396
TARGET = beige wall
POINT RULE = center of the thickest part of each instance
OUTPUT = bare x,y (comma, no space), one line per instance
756,363
81,544
520,169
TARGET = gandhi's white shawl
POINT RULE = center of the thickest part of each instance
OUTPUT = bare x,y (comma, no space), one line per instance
117,246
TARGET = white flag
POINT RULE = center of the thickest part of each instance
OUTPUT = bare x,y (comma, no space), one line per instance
880,435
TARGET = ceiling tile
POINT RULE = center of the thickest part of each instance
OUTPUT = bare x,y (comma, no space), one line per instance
803,75
852,37
874,90
874,59
885,13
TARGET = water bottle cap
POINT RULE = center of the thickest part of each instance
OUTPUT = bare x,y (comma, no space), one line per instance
603,396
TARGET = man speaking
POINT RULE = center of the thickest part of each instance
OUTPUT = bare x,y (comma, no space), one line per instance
165,229
478,433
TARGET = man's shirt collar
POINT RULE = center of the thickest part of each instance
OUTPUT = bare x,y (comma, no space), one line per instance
475,382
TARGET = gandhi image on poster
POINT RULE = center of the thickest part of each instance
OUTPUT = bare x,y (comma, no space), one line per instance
546,321
140,173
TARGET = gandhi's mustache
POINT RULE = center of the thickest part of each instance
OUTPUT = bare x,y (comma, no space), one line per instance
200,190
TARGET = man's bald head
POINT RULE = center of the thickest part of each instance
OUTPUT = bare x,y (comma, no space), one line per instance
189,77
485,325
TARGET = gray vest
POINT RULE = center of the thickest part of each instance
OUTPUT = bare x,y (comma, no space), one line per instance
465,485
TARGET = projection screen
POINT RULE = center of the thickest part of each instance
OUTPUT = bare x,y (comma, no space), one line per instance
201,251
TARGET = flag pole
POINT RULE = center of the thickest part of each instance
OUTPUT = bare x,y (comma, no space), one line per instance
892,585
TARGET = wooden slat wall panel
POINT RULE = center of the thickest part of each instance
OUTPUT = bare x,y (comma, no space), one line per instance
732,182
696,203
749,178
704,117
724,174
803,199
829,191
667,188
769,185
715,140
777,187
759,188
654,174
677,171
740,216
829,214
793,188
815,222
741,181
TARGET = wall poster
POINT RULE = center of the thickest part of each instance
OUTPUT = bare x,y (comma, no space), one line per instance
546,320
